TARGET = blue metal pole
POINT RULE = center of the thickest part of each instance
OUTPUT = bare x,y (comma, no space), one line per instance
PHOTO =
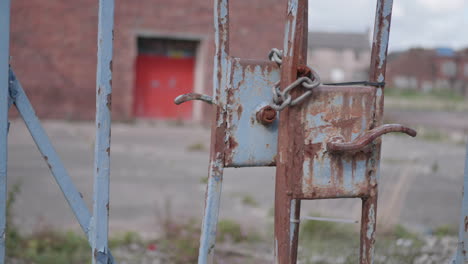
4,87
100,224
218,132
462,257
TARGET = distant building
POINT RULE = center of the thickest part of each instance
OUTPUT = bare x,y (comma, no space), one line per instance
340,57
429,69
162,48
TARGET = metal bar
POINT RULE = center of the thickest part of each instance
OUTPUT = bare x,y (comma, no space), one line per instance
368,228
218,133
100,225
378,66
288,163
325,219
4,106
294,228
381,37
461,256
72,195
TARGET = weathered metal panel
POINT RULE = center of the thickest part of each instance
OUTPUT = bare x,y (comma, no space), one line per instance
4,106
335,112
251,143
461,255
100,225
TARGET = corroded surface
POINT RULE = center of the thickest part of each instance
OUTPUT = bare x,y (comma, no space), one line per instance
335,112
250,143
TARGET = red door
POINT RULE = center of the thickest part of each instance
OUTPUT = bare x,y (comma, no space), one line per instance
160,79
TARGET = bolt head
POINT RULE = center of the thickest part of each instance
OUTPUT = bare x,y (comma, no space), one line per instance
266,115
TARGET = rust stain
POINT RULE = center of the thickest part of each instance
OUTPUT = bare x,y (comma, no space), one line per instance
109,101
47,161
239,111
466,223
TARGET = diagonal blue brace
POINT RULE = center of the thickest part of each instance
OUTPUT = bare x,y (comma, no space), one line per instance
71,193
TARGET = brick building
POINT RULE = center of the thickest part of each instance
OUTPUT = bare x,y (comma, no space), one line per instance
161,48
340,56
429,69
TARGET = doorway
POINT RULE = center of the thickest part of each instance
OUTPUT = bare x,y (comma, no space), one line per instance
165,68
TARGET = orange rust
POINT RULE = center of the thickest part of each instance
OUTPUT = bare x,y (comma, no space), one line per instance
304,71
266,115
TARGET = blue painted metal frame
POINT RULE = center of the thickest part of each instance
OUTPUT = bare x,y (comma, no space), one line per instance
49,154
216,167
11,92
4,106
461,255
99,235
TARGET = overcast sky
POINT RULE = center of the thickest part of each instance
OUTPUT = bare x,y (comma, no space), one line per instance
415,23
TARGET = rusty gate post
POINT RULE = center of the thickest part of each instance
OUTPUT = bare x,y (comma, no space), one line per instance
287,210
377,75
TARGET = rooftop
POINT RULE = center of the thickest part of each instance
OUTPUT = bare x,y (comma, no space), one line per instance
339,40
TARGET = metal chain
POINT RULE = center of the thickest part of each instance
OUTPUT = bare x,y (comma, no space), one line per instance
276,55
283,99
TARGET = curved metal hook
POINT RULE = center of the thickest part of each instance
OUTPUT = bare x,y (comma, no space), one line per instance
362,141
193,96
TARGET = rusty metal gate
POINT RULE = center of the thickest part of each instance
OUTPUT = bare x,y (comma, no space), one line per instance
325,143
324,139
95,224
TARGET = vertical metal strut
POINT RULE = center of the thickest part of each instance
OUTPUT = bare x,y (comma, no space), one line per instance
378,66
461,255
100,220
218,132
294,55
4,84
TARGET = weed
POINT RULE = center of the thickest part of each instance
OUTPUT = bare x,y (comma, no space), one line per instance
204,180
249,200
196,147
230,230
435,167
125,239
444,230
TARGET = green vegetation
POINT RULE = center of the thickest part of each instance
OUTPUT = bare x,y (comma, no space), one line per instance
441,94
318,238
196,147
445,230
436,100
180,240
249,201
204,180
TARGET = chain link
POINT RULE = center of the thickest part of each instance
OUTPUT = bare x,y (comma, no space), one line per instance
276,55
283,99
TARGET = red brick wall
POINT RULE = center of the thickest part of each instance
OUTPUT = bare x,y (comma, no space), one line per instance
53,45
416,63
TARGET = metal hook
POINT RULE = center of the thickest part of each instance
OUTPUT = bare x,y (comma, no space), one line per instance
362,141
193,96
